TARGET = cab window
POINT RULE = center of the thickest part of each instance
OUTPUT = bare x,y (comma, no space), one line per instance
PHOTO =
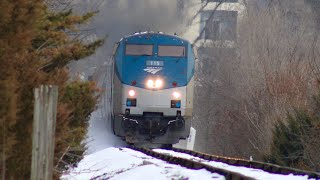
139,49
171,51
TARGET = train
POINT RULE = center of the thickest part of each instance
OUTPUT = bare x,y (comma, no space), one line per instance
152,88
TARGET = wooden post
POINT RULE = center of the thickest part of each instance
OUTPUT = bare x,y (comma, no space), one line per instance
44,122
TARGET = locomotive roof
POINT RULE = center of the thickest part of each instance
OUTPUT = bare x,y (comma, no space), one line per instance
148,33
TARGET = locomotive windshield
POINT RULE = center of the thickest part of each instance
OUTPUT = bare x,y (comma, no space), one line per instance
139,49
172,51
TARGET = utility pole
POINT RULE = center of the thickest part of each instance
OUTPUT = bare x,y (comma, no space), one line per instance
44,122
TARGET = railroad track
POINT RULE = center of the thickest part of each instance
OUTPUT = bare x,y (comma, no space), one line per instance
194,164
267,167
191,164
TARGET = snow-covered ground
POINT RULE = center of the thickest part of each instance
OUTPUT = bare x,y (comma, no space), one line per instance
100,135
123,163
249,172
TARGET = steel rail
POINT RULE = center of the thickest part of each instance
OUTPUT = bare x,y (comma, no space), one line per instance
268,167
190,164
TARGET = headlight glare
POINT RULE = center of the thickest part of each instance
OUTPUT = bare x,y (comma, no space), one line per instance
132,93
150,83
158,83
176,95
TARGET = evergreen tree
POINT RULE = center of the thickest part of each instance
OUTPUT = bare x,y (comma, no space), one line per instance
17,28
79,96
35,46
296,141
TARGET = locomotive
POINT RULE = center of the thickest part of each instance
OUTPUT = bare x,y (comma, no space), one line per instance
152,88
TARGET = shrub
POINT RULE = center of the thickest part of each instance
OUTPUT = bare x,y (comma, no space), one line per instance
296,141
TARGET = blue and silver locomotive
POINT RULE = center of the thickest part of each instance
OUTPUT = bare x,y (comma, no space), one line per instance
152,88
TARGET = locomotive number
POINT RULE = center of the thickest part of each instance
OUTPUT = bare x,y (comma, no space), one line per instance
154,63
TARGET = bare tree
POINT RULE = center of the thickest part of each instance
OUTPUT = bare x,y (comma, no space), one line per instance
274,46
247,87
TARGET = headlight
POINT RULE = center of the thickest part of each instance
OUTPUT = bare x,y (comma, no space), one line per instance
150,83
176,95
132,93
159,83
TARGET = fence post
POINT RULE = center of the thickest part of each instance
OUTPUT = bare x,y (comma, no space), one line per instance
44,122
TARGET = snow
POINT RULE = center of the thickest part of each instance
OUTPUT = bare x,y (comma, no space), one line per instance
249,172
123,163
99,134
